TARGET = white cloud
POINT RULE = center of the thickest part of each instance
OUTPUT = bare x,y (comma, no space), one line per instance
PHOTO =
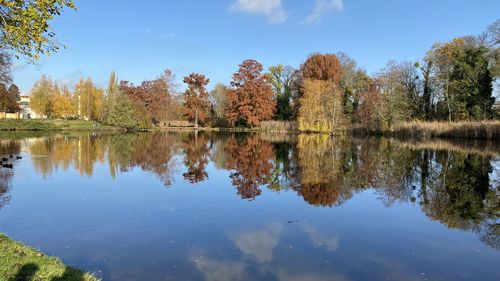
331,243
272,9
259,244
215,270
321,8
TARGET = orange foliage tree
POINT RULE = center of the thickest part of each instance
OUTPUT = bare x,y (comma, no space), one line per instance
250,99
196,102
325,67
157,96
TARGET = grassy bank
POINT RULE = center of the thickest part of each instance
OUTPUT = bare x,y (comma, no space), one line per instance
51,125
485,130
18,262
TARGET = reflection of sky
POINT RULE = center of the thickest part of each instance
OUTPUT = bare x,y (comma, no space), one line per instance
133,227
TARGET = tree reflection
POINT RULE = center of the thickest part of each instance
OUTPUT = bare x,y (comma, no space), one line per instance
196,157
460,188
250,164
148,151
321,165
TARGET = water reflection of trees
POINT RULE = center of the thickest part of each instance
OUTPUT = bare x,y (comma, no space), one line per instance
250,164
196,151
455,188
458,188
149,151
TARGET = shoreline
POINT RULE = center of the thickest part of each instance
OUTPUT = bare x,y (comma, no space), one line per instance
480,130
21,262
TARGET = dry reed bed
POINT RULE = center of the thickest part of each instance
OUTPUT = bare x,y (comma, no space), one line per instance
487,130
279,126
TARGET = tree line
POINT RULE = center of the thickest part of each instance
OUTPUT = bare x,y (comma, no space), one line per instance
328,92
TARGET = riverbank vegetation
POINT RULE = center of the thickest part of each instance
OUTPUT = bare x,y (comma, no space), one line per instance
453,82
19,262
327,93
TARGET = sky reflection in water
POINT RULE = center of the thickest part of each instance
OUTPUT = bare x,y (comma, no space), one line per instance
185,206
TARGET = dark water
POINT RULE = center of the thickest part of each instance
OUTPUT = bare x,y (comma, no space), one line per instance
180,206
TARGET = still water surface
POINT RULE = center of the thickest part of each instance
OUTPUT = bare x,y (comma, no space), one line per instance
185,206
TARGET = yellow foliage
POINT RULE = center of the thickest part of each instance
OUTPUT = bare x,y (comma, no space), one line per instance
321,107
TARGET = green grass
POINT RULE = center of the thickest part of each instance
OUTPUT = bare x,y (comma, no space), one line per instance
26,124
51,125
19,262
79,125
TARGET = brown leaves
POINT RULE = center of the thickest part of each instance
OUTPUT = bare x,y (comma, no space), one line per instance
250,100
325,67
196,102
157,96
250,163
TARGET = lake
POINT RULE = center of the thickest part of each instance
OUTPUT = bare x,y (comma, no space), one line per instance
214,206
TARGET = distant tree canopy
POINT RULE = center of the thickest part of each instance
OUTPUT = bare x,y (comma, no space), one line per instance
327,93
25,26
250,98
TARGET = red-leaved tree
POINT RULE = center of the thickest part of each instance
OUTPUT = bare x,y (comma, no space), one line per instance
196,102
250,99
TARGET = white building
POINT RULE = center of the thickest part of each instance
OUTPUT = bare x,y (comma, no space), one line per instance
25,110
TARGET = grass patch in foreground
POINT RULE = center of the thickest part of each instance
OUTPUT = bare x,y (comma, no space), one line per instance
19,262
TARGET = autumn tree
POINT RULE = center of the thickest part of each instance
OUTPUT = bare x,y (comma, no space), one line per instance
41,101
250,98
14,92
371,110
90,100
325,67
8,102
157,96
321,104
196,99
25,26
63,105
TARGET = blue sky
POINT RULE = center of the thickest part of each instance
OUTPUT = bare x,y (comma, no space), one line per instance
139,39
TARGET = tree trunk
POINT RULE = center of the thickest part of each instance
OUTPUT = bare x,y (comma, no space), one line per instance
196,120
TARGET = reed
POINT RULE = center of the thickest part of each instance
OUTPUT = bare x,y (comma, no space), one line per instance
279,126
488,130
